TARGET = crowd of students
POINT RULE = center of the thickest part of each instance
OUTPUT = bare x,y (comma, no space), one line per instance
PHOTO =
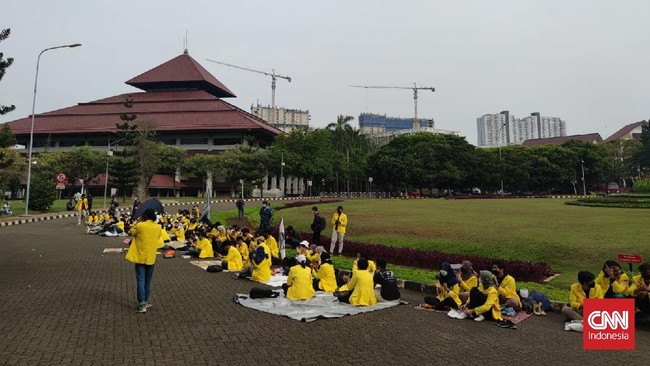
460,290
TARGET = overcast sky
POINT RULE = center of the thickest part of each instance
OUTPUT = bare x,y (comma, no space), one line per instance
587,62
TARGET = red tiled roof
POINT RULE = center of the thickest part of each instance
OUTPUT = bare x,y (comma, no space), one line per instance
624,131
157,181
171,111
591,137
180,72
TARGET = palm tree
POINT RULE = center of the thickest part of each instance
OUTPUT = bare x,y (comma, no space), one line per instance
342,136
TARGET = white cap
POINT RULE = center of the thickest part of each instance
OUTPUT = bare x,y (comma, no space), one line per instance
304,243
301,259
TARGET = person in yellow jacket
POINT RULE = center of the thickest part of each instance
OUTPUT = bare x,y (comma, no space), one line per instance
82,208
93,219
467,279
640,288
507,288
447,289
585,288
142,252
612,280
362,286
233,259
299,284
178,231
261,260
273,246
242,247
324,275
339,224
372,266
483,302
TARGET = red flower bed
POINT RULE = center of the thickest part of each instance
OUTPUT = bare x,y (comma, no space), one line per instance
305,203
426,259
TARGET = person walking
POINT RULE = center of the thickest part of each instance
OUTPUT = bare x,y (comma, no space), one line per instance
146,240
340,222
240,208
317,226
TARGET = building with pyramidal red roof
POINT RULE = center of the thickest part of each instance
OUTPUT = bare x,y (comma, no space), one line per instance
181,97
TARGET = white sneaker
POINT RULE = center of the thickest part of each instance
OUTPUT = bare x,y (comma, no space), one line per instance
461,315
453,313
479,318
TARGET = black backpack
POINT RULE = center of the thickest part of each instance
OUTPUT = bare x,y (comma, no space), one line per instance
214,268
323,223
260,293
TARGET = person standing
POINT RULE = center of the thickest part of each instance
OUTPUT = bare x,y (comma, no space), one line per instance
266,215
340,222
136,205
317,226
82,207
90,202
146,240
240,208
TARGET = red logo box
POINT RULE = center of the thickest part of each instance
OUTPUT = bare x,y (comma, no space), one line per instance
608,324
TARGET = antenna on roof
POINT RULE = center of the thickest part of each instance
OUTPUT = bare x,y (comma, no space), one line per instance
185,44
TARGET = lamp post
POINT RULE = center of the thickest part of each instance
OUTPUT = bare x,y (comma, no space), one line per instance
282,175
370,190
499,141
31,131
584,186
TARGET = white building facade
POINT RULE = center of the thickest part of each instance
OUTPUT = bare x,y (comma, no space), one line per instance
502,129
285,119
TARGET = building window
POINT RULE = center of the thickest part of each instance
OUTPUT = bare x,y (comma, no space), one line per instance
194,140
168,141
71,143
96,143
226,141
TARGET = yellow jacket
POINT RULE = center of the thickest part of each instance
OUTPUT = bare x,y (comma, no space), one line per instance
206,248
343,222
312,257
363,289
443,293
508,288
233,257
146,236
164,235
93,219
82,204
577,295
468,285
273,246
179,232
492,303
636,282
299,282
326,276
243,250
372,267
619,286
262,271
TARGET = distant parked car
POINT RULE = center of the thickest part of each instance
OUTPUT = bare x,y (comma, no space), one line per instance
612,187
476,190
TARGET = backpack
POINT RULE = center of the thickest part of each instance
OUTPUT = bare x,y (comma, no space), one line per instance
322,222
260,293
214,268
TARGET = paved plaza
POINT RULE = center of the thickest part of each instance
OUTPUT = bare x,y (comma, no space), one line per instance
63,302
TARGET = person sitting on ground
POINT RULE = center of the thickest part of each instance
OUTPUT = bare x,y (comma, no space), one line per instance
93,219
483,302
640,287
200,246
507,289
242,248
233,260
191,226
612,280
361,286
467,279
324,275
303,248
291,237
299,284
178,231
273,246
372,267
447,289
261,261
388,281
314,252
586,288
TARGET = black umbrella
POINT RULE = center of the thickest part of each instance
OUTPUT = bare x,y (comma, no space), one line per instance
151,203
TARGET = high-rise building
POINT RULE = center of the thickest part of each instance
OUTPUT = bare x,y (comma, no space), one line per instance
371,123
285,119
502,129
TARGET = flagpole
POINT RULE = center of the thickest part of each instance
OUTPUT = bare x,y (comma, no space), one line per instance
283,251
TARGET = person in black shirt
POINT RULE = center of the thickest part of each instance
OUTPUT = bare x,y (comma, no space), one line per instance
317,225
388,281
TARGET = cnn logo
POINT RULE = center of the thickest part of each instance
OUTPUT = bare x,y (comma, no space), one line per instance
599,320
609,324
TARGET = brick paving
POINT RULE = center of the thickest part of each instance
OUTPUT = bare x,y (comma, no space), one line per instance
63,302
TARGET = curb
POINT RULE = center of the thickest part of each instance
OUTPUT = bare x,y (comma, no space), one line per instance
20,221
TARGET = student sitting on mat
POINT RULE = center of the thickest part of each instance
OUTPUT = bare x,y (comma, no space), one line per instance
467,279
361,286
585,288
447,288
299,284
323,272
233,260
388,281
507,287
612,280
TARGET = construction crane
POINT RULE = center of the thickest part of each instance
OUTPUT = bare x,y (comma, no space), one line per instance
415,88
273,76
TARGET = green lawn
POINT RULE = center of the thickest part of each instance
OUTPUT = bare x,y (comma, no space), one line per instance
570,238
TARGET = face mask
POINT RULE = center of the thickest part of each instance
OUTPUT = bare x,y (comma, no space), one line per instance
443,273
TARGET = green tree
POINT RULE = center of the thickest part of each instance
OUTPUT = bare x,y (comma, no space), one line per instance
205,166
7,138
11,168
4,65
594,159
124,165
43,193
247,163
83,163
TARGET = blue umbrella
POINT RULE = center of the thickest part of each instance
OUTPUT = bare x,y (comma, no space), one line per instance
151,203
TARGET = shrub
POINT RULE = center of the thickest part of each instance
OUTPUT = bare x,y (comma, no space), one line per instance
305,203
42,194
642,186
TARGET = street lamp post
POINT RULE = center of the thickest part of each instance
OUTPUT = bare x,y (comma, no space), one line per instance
584,185
31,131
282,175
370,190
500,161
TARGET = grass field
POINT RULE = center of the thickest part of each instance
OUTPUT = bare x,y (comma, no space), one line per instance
570,238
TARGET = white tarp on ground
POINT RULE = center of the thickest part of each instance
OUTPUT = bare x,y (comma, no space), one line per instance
323,305
276,281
